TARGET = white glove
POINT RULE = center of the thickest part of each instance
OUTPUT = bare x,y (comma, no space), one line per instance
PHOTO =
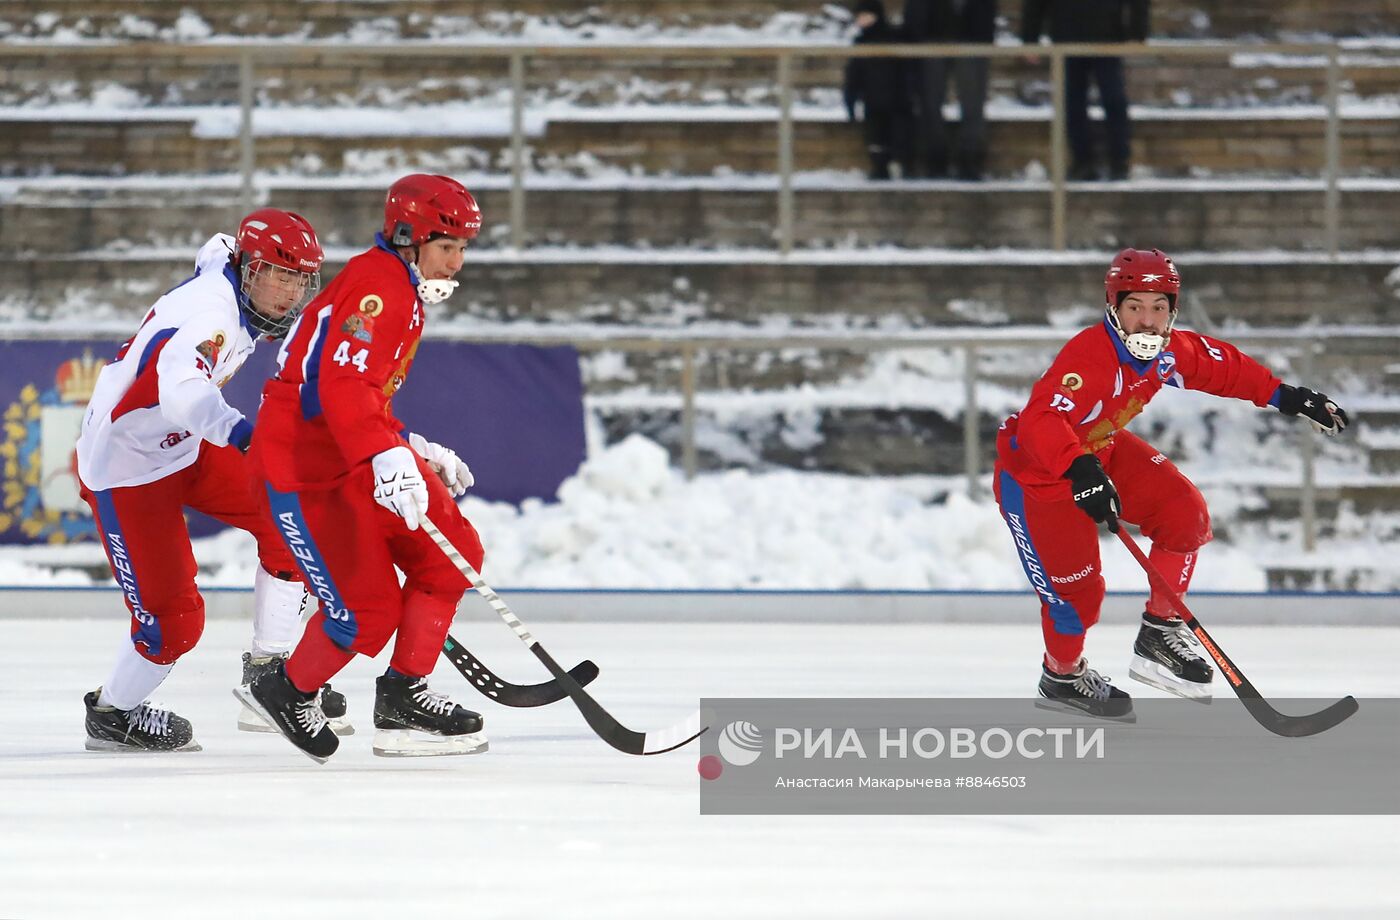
399,486
455,474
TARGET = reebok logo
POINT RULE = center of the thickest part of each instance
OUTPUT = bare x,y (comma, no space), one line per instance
1071,579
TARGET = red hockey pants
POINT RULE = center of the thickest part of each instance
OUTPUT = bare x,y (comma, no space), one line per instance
348,546
148,545
1059,544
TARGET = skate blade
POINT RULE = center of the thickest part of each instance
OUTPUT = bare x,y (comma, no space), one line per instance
1127,718
1146,671
102,745
407,743
246,697
251,721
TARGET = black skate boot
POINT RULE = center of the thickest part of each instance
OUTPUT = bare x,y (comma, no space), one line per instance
296,715
1163,658
1086,692
144,728
332,701
413,721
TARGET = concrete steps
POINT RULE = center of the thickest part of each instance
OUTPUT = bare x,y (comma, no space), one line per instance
1175,215
430,18
913,288
669,142
56,74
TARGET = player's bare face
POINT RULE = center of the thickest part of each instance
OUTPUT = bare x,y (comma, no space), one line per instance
442,258
275,291
1145,312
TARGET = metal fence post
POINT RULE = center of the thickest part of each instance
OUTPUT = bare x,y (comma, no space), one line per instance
972,448
785,202
246,155
1332,205
1057,151
688,410
1307,496
517,151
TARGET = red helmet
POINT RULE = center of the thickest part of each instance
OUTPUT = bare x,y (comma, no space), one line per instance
1141,270
420,207
281,238
274,244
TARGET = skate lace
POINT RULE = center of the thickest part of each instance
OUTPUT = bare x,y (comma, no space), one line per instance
1091,683
310,716
1179,639
433,701
149,719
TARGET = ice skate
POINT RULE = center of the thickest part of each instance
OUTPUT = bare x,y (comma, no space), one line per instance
296,715
1163,658
412,721
144,728
332,701
1085,692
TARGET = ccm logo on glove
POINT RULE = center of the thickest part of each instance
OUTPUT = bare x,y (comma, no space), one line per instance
1093,491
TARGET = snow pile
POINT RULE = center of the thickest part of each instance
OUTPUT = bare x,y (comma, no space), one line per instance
828,23
630,520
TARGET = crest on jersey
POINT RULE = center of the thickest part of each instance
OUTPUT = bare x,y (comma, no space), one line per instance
209,349
371,305
38,448
358,328
1071,381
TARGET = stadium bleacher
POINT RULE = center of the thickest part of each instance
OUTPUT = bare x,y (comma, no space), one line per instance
651,195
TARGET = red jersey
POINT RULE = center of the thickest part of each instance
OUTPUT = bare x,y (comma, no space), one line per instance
329,407
1095,388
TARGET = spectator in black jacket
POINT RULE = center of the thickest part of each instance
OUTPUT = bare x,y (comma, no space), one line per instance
949,22
883,86
1091,21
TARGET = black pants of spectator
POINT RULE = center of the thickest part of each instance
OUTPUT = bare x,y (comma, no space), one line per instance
1107,73
969,77
886,139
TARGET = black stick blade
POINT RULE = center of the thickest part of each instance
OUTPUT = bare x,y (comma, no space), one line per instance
1300,726
614,732
1254,702
520,696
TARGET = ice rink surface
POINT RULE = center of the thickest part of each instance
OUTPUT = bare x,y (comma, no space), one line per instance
552,822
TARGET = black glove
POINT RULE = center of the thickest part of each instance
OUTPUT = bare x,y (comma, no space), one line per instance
1093,491
1325,415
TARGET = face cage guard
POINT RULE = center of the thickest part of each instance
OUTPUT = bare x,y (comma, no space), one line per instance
269,326
1141,345
432,291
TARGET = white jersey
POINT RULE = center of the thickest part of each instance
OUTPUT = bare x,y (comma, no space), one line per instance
160,399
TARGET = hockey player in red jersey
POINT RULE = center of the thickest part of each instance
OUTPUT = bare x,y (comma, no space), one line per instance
347,487
158,436
1065,464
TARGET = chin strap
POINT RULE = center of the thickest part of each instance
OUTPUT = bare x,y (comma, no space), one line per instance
432,291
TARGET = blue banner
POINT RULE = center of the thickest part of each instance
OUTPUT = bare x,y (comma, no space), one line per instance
514,413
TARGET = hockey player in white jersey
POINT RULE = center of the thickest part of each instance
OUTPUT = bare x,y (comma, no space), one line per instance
158,437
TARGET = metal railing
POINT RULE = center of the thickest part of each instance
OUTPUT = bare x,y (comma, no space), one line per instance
249,55
1308,346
